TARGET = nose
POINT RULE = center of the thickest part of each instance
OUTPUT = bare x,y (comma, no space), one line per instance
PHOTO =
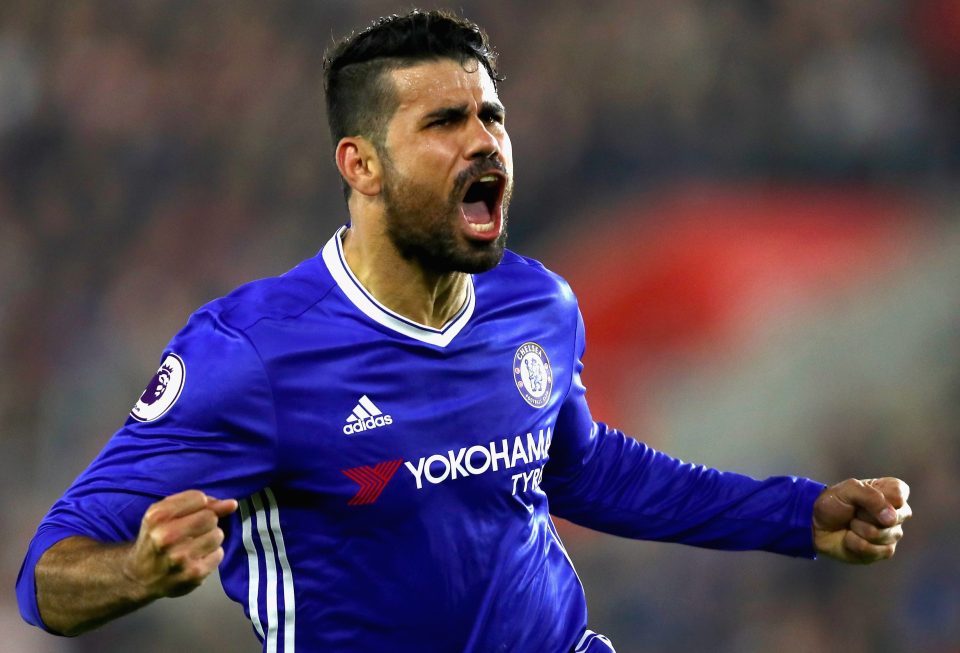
483,143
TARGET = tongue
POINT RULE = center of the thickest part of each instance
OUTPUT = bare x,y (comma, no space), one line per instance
476,212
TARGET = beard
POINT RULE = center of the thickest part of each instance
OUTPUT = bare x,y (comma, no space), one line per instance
425,227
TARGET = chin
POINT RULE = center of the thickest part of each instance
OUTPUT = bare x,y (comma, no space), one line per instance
439,245
478,257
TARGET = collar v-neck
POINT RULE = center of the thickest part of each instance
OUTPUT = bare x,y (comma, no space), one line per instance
361,298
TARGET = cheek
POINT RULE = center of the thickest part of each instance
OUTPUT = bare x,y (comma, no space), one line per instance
439,152
506,151
430,161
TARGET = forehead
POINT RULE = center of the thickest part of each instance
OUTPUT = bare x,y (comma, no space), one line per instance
432,84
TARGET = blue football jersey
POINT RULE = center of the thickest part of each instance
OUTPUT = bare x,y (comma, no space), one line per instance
396,481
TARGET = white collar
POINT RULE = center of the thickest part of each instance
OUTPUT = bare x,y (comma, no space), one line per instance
361,298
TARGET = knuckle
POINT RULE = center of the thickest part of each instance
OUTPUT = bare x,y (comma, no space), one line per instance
852,481
152,516
175,569
169,538
211,542
204,567
158,539
883,537
177,559
196,573
192,496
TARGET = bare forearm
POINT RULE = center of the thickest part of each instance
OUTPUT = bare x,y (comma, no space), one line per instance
82,584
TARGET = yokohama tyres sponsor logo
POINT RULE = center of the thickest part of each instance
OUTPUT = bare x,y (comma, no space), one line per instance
497,455
481,458
372,480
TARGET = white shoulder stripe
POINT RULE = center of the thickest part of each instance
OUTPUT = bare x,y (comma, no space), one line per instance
333,257
264,520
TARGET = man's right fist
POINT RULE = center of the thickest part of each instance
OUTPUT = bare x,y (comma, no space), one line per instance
179,543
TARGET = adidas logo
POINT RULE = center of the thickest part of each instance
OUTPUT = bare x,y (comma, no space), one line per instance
365,416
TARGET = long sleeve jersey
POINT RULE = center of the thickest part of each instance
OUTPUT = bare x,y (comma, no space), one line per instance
396,482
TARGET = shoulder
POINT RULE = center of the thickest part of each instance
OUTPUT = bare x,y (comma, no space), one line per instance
221,355
227,325
282,297
528,276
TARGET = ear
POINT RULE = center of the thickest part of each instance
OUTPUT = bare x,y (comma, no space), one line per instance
359,165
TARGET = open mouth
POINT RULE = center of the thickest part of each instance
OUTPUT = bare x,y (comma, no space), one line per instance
482,205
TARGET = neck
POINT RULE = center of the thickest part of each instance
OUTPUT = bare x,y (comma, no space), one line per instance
402,285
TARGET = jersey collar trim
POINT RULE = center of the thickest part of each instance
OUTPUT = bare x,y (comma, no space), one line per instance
361,298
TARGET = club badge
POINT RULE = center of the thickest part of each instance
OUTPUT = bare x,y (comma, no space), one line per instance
533,374
162,391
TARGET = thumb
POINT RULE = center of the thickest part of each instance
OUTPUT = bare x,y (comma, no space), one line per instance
222,507
830,511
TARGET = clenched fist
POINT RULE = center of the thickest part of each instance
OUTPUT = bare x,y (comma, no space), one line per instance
861,521
179,543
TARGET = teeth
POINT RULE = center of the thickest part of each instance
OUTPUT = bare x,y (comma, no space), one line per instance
488,178
482,228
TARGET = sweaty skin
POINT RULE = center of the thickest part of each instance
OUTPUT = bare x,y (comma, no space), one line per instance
448,120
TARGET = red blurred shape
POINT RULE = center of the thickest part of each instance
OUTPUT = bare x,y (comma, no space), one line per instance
670,277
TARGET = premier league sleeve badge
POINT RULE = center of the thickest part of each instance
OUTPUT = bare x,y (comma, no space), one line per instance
162,391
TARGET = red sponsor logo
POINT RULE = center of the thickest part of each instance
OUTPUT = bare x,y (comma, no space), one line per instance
372,480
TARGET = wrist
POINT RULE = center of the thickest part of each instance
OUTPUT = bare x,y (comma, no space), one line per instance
137,589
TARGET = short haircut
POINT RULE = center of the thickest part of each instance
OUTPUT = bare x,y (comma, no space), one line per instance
361,99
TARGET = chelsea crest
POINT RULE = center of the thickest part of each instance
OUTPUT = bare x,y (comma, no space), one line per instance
532,374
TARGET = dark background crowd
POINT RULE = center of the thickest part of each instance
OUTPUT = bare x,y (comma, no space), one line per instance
755,200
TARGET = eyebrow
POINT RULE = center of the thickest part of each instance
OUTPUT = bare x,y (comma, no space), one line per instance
459,111
446,113
494,108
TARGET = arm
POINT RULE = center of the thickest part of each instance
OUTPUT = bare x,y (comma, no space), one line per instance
626,488
602,479
82,583
119,536
615,484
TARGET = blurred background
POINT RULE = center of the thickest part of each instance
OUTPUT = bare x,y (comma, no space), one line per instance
756,202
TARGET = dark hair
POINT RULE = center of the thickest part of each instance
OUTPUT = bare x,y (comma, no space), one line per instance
360,99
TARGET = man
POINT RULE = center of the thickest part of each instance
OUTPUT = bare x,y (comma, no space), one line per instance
371,445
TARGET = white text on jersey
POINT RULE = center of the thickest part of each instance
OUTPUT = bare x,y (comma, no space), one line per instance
365,416
480,458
